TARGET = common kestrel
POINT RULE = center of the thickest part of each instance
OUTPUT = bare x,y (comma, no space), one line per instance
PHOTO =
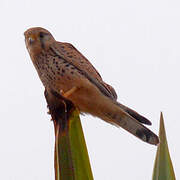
63,69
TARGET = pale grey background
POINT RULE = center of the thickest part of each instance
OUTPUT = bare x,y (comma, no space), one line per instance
135,45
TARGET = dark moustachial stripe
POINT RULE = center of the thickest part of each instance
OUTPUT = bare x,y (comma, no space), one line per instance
41,37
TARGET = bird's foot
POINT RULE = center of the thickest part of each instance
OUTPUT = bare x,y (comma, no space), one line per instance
68,93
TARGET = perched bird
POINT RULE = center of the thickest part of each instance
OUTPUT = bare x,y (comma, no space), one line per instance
63,69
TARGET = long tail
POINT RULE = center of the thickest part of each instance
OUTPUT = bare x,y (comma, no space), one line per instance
126,118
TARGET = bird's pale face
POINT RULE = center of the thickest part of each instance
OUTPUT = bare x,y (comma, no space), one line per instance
37,39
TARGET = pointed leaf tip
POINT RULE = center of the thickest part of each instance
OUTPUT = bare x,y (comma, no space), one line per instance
163,168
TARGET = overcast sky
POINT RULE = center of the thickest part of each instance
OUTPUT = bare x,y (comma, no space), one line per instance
134,44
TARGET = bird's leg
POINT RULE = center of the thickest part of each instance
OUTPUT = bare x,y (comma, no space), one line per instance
68,93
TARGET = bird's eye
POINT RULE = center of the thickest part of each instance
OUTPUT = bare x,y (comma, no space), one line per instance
41,35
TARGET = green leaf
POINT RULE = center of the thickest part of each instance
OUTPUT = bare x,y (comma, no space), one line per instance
71,156
163,168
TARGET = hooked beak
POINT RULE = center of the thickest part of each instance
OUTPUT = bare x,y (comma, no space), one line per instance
31,39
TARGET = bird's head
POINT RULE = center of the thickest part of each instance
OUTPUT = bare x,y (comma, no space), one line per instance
37,39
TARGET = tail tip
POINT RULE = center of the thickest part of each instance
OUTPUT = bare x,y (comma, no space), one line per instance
147,136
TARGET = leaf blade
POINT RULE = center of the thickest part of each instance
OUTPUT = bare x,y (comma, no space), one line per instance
163,168
71,156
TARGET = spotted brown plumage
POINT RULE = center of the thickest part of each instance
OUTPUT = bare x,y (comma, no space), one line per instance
61,68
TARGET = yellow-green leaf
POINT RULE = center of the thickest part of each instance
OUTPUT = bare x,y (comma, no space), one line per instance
163,168
71,156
